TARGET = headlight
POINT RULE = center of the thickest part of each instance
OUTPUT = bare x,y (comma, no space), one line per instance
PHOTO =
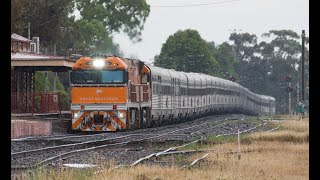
120,115
76,115
98,63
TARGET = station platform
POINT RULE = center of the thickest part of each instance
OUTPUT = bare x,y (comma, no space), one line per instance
37,124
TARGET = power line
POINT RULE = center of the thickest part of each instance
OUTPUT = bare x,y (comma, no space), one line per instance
192,5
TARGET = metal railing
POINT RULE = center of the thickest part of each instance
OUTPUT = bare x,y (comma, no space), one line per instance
35,103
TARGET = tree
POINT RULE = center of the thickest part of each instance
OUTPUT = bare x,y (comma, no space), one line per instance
93,38
244,45
45,17
116,15
65,91
186,51
264,66
223,53
92,33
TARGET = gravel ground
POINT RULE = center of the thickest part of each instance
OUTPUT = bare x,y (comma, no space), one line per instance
132,152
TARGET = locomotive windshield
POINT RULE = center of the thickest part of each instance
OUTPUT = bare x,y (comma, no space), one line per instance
112,77
98,77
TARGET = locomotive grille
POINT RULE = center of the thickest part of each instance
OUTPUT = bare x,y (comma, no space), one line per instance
98,118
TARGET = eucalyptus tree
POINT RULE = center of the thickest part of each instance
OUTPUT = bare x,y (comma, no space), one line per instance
263,67
187,51
99,19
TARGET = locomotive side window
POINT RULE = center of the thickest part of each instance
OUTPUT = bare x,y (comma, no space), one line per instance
144,79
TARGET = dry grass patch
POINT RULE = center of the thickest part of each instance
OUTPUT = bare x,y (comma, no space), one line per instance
282,154
296,125
264,160
284,136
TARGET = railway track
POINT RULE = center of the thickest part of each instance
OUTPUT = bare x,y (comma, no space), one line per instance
24,144
47,155
68,149
172,150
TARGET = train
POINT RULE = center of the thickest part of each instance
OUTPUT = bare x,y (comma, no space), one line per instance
112,93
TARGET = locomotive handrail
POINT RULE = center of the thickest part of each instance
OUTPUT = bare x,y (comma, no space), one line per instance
98,85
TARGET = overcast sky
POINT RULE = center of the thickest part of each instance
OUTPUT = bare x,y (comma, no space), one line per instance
214,22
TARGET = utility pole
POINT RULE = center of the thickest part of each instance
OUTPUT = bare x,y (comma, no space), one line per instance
289,105
289,89
54,49
302,66
298,93
29,30
66,38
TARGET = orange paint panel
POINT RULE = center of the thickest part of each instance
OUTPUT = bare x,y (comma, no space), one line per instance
111,127
79,120
76,124
119,122
86,95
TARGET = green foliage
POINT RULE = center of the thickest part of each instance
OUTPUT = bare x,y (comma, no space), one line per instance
245,45
65,93
116,15
222,139
263,67
180,159
65,99
45,17
186,51
40,81
223,53
54,23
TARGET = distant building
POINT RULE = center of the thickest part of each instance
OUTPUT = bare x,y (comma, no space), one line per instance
24,45
19,43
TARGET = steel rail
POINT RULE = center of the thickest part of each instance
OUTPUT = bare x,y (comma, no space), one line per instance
72,153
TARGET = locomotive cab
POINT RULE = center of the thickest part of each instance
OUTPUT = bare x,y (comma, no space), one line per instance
108,92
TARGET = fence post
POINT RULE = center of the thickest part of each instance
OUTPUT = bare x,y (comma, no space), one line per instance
59,102
239,154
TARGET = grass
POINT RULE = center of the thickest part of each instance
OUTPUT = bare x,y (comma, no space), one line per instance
282,154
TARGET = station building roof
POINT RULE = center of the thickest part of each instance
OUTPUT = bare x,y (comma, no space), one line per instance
16,37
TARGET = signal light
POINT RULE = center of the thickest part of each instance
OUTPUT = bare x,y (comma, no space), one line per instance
231,78
114,107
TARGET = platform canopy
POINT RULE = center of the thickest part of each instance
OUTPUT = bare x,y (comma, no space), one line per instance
40,62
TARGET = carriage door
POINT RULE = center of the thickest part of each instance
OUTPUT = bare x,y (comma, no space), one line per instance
132,118
172,95
179,96
159,95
